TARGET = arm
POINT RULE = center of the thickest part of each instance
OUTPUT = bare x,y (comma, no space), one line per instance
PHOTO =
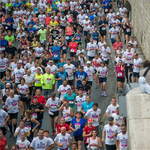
117,144
107,114
37,124
103,136
17,132
86,135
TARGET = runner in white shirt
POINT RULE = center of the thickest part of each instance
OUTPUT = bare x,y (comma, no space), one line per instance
90,72
110,16
117,119
81,17
80,99
12,106
105,52
53,104
35,67
40,142
100,45
23,143
61,5
46,134
114,32
4,117
29,64
70,69
128,55
73,3
91,49
120,58
38,51
41,18
13,65
82,59
95,114
18,73
133,42
53,68
21,129
137,64
111,109
3,62
109,134
63,140
62,90
122,139
90,28
122,10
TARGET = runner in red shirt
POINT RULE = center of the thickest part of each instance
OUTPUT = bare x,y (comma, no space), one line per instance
73,48
40,98
62,124
3,141
87,132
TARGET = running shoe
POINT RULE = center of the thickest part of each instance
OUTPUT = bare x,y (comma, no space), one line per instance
105,94
11,134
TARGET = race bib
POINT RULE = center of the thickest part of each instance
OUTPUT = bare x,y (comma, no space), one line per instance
103,28
93,148
28,126
51,113
67,118
72,50
95,119
106,10
88,140
77,126
120,74
67,37
105,58
48,80
64,48
110,139
37,80
14,106
53,106
128,30
71,102
55,55
34,115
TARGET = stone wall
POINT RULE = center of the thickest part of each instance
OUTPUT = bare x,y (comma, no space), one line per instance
138,119
140,17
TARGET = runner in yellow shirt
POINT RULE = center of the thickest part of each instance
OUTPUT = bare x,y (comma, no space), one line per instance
48,82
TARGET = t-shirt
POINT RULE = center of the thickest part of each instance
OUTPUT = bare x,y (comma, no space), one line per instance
21,131
123,138
87,130
68,69
39,51
63,140
111,109
104,50
128,57
92,49
71,99
91,114
18,74
137,63
3,143
23,145
59,126
41,99
56,50
102,72
42,34
80,101
37,115
23,88
73,47
90,72
12,104
63,90
86,106
81,76
40,144
109,130
3,115
3,63
114,32
48,80
38,80
53,68
120,73
53,104
78,126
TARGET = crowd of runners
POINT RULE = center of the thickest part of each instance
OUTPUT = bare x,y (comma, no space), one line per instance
51,53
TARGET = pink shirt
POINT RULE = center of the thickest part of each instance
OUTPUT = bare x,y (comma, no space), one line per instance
120,73
117,45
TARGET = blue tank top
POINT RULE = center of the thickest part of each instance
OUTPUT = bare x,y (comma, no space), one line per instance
78,37
95,36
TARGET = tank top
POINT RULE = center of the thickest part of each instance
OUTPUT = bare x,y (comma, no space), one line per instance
49,9
35,44
92,147
49,46
69,31
29,124
78,37
8,81
95,35
67,118
64,47
128,29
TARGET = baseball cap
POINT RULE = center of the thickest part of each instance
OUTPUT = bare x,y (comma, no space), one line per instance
42,25
90,120
50,60
19,62
110,119
105,43
86,17
8,84
88,62
84,5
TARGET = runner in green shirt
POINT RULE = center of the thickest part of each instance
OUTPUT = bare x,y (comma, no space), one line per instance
48,82
42,32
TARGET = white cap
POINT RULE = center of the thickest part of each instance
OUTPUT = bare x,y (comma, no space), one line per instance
88,62
86,17
105,43
8,84
42,25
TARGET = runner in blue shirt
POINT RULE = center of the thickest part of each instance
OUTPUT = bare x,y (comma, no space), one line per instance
3,44
81,75
56,52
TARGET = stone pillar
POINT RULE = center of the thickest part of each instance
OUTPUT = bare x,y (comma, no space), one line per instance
138,120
